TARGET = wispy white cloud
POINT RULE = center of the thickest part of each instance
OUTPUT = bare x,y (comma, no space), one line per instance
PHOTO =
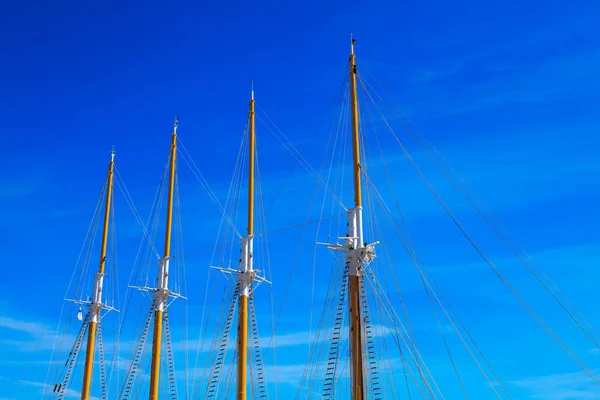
45,388
305,337
554,261
566,386
31,328
31,335
62,213
16,190
288,339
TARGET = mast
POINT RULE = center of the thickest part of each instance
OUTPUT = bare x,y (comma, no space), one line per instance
96,305
247,273
355,256
162,289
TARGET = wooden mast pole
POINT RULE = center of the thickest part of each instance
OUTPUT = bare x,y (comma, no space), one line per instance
162,291
246,275
96,305
354,300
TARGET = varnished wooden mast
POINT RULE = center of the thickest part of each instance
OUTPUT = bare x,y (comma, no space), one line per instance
246,274
96,305
162,292
354,300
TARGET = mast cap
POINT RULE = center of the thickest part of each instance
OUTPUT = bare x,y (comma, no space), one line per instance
175,124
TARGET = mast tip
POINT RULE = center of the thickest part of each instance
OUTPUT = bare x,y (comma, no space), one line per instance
252,89
112,153
175,124
352,43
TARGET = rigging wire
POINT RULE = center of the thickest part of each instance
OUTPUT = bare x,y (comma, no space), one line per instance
129,201
370,189
183,290
344,99
115,301
203,182
513,291
290,147
312,135
268,270
88,237
231,209
139,278
420,265
297,255
498,229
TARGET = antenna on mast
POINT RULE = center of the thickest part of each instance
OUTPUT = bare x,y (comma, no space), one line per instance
175,124
112,154
352,43
252,90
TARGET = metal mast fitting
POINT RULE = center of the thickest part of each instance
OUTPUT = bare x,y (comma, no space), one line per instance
95,307
161,293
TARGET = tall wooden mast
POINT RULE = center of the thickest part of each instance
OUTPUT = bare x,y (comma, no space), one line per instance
355,256
96,305
247,273
162,288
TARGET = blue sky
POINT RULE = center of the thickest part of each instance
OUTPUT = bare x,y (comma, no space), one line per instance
507,91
